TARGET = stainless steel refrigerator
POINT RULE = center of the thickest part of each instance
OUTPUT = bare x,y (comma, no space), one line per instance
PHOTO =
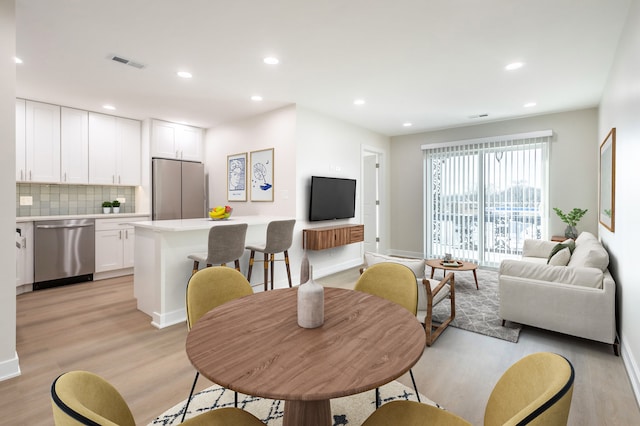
178,189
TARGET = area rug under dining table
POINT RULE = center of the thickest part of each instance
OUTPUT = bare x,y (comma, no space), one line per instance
477,310
351,410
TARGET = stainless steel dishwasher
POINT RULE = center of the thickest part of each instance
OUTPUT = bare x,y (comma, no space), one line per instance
64,252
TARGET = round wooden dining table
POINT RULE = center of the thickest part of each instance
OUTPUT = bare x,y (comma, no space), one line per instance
253,345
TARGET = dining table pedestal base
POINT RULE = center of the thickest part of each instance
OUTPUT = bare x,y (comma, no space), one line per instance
308,413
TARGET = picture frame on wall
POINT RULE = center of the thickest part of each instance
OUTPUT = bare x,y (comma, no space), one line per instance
237,177
607,196
261,175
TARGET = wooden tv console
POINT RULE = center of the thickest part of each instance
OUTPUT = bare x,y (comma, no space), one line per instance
331,236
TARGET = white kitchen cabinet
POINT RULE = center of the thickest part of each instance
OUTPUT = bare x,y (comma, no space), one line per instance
21,141
176,141
114,150
24,254
74,146
114,243
37,142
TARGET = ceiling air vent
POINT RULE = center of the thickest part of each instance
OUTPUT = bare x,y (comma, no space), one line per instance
127,62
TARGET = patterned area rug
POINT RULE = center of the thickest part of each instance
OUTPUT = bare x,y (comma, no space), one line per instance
477,310
351,410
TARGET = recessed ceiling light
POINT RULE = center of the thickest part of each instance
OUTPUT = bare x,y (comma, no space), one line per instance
530,104
18,60
109,107
270,60
184,74
256,98
514,66
359,102
407,124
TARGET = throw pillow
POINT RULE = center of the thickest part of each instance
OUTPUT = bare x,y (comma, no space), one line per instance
560,246
416,265
561,258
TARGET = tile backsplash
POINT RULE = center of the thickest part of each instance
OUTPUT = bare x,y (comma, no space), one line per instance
54,200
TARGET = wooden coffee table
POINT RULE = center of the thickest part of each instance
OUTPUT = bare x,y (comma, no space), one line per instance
254,345
464,266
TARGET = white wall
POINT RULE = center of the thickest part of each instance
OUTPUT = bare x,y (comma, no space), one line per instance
620,108
305,143
333,148
9,366
572,171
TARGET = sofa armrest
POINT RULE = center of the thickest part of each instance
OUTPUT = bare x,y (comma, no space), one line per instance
586,277
537,248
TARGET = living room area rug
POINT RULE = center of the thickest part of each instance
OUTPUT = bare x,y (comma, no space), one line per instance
349,410
477,310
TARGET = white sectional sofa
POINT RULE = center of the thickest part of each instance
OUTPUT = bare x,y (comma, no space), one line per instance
571,293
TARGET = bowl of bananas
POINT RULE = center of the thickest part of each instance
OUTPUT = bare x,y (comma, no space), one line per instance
220,212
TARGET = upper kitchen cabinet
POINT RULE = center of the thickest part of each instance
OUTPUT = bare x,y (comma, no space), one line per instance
176,141
37,142
74,146
114,150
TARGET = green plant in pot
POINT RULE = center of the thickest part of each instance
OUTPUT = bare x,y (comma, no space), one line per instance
571,219
116,206
106,207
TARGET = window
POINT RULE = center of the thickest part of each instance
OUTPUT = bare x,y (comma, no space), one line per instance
484,197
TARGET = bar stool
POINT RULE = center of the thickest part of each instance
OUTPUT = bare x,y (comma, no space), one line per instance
226,244
279,239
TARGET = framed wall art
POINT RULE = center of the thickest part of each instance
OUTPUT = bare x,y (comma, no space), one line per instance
262,175
237,177
607,198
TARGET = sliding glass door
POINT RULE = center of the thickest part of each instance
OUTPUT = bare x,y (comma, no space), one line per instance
483,199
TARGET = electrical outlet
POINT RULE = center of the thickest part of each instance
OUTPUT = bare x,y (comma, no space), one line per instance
122,200
26,200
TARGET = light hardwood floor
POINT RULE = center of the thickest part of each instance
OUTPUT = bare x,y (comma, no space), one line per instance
96,327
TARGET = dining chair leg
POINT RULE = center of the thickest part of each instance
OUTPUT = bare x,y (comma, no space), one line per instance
377,398
286,262
196,265
414,385
235,399
237,264
193,387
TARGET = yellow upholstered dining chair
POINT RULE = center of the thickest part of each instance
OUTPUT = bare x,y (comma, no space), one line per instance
84,398
396,283
225,244
536,390
207,289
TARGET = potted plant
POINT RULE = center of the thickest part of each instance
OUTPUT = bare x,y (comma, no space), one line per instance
571,219
106,207
116,206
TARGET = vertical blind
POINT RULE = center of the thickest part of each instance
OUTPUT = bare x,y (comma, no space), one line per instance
484,197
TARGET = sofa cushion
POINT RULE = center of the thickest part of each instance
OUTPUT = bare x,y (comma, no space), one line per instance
537,248
587,277
561,257
416,265
589,253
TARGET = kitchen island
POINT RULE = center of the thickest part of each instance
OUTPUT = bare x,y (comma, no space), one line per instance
162,268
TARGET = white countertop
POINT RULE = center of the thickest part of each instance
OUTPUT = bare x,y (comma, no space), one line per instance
179,225
80,216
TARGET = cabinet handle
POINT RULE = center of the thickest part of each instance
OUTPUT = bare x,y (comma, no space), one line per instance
177,153
65,176
120,234
30,175
21,174
113,178
126,234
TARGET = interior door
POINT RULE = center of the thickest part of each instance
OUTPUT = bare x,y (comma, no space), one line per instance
370,201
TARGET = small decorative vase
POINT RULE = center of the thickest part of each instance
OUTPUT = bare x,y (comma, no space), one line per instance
310,303
106,210
571,232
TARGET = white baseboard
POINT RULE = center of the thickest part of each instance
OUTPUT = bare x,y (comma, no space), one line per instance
112,274
170,318
10,368
632,368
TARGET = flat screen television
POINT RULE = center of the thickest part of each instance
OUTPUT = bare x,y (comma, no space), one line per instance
332,198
